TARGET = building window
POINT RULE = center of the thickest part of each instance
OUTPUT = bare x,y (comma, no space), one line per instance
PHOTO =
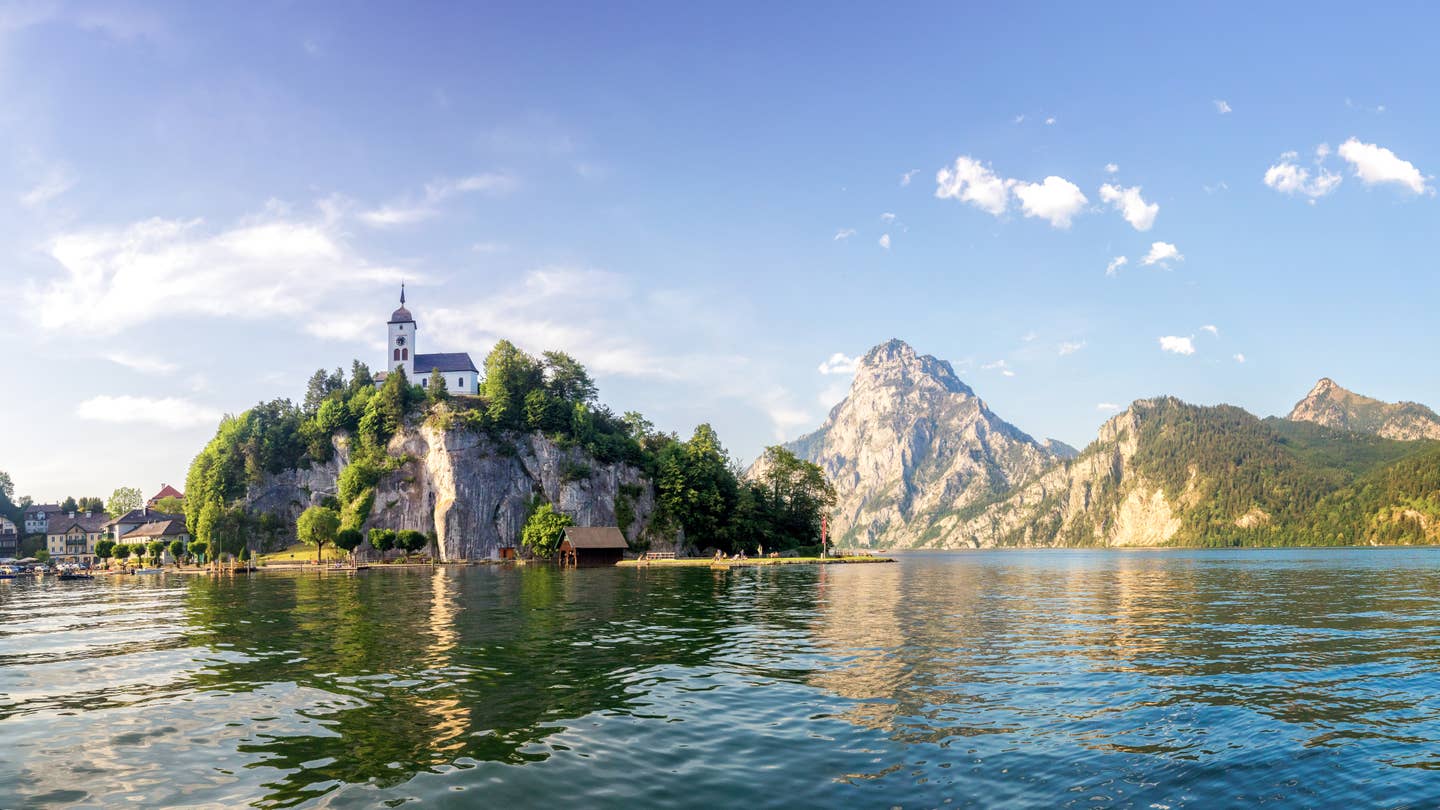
397,354
404,354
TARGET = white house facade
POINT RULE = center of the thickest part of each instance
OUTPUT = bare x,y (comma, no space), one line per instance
456,369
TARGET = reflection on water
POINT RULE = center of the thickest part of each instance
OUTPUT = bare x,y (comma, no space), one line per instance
1146,679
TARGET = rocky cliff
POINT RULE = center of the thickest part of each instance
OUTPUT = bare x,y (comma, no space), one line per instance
1330,405
910,445
474,490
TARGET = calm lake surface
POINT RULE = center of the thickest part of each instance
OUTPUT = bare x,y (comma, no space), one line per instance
1081,679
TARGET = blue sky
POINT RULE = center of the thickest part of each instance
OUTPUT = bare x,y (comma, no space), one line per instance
198,207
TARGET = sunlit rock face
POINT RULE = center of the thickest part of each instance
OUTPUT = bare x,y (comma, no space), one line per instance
911,445
1330,405
474,490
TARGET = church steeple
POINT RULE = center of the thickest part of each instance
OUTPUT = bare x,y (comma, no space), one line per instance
401,343
402,293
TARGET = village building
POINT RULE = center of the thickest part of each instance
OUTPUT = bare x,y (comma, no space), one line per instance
72,537
456,368
38,515
135,518
598,545
166,491
9,539
167,531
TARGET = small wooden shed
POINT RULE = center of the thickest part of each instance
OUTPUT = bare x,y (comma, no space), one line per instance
592,545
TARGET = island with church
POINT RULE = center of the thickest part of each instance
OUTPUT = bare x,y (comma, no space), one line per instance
433,457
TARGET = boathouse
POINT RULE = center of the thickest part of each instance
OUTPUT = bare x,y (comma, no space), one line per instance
592,545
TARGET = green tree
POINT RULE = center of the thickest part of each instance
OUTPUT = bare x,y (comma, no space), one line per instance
123,500
177,550
91,504
104,550
317,527
544,530
69,505
170,505
121,552
198,549
410,541
348,539
435,390
382,540
567,380
42,555
697,487
510,375
156,548
360,377
7,485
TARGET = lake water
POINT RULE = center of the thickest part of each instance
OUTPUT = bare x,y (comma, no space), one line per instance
1046,679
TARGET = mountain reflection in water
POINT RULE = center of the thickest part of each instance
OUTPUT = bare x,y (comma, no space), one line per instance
1069,678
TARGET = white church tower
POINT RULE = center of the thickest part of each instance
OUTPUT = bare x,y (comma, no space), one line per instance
402,339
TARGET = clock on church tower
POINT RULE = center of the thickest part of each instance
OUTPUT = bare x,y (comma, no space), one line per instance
402,339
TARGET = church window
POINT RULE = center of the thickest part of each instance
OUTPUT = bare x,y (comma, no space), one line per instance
460,382
397,354
404,354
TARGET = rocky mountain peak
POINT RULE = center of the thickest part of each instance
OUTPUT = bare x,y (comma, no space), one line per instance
1331,405
895,363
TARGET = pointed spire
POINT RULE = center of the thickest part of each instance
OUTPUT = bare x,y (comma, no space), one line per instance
402,293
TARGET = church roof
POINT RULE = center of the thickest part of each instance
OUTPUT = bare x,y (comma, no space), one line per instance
443,362
401,315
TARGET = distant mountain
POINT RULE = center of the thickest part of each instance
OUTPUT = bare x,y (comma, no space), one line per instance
1332,406
912,443
1165,472
919,461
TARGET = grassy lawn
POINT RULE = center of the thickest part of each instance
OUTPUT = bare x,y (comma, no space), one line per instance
303,553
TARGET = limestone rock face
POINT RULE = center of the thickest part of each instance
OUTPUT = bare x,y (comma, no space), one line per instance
910,445
474,490
1330,405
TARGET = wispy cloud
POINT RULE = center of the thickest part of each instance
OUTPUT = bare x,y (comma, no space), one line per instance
1108,406
839,363
885,241
1239,358
908,176
1070,347
57,181
1375,164
1221,106
1288,177
844,233
1211,328
1140,214
427,205
1111,168
1161,253
144,364
1177,345
1113,267
173,413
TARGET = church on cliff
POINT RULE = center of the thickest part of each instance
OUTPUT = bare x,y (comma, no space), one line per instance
456,368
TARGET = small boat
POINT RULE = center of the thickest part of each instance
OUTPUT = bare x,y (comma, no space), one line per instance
72,576
8,572
147,571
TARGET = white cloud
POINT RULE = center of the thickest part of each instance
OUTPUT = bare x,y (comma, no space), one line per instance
1140,214
908,176
1113,268
1178,345
1287,177
1019,119
1070,347
1162,252
1007,372
1239,358
1211,328
57,181
885,241
1056,199
1220,186
1107,406
843,234
839,363
108,281
1221,106
166,412
1029,336
410,211
1375,164
994,364
1111,168
142,363
1050,121
887,217
973,182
